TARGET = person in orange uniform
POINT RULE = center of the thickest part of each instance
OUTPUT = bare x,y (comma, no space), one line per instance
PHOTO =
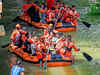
48,31
69,45
50,3
74,15
67,16
33,12
26,7
51,15
43,14
42,44
16,36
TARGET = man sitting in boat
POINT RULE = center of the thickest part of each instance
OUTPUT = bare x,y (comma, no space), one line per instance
69,45
60,45
33,46
26,42
74,15
65,46
51,16
33,12
43,15
17,35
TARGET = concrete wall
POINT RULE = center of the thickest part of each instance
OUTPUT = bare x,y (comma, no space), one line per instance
20,3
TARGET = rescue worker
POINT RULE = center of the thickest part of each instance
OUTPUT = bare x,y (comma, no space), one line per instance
16,36
67,16
69,45
33,12
26,7
50,3
43,14
51,16
55,39
33,47
74,15
48,31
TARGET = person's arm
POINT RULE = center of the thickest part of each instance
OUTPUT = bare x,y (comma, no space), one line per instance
23,71
74,47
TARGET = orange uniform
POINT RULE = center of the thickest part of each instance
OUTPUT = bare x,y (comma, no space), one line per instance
67,17
36,6
39,55
74,17
42,11
26,6
69,46
24,38
17,34
50,3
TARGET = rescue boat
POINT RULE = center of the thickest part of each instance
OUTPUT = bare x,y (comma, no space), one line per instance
52,60
65,27
27,19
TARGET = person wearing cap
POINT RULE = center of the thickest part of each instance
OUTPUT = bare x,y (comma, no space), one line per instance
16,35
17,69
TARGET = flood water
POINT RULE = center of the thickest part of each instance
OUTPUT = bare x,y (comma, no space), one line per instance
88,43
76,69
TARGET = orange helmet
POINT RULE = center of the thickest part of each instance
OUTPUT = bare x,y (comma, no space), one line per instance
18,26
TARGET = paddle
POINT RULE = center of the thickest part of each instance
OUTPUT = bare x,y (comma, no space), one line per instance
6,45
87,56
88,25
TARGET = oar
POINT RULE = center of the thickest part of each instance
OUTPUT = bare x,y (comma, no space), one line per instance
87,56
6,45
88,25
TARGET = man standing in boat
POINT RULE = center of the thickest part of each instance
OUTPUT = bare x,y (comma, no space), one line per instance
16,35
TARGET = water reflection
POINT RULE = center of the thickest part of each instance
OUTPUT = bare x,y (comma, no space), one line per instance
69,70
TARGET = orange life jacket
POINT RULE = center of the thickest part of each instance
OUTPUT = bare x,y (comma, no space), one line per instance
70,45
15,34
50,3
24,38
42,11
26,6
67,17
42,46
75,16
50,16
39,55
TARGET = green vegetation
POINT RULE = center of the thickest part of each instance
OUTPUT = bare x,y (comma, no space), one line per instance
95,8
